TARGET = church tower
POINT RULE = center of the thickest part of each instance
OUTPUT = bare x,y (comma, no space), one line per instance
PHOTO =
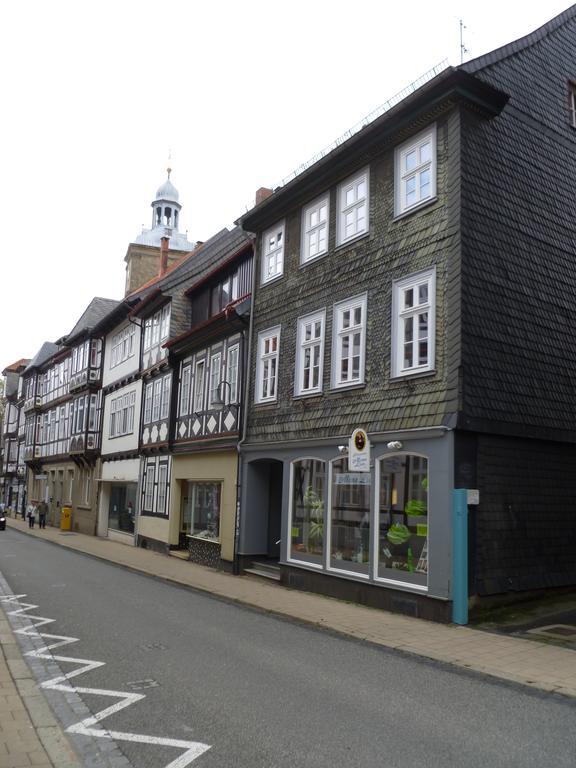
143,254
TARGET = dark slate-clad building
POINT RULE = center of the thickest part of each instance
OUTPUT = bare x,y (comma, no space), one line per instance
413,287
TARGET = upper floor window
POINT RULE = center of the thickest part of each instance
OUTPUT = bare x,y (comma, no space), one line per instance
199,375
315,229
122,414
349,342
185,390
165,407
157,327
148,403
232,373
413,323
572,103
353,207
156,400
273,253
415,171
310,353
267,365
123,345
215,368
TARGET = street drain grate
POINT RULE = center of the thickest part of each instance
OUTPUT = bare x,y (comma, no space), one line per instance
562,631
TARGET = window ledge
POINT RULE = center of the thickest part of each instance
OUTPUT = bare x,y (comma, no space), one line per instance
415,375
348,243
303,264
265,402
347,387
307,395
415,208
202,538
271,280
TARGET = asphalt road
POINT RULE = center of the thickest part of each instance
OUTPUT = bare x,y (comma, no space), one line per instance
268,693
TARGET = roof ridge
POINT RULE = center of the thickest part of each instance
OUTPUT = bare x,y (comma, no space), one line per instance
514,47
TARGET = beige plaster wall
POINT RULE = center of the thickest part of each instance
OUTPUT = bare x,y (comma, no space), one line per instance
209,467
157,528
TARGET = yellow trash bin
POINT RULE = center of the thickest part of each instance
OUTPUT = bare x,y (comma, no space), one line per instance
66,519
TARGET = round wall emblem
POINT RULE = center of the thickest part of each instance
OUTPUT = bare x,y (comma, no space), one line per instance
360,440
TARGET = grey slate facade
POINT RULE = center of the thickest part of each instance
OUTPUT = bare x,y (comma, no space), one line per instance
500,396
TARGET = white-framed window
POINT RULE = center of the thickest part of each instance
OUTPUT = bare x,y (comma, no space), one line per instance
92,413
185,390
149,487
415,171
123,345
572,103
310,353
156,400
353,207
267,365
199,375
165,322
162,487
147,334
273,253
315,229
165,407
215,369
232,372
122,414
413,323
349,342
148,403
155,329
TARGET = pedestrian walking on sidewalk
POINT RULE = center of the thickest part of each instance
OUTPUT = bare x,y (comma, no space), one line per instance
42,514
31,516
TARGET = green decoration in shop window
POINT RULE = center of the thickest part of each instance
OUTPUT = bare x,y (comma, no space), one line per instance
316,506
415,508
398,533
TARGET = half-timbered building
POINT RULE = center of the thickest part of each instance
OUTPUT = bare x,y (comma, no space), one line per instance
209,362
405,283
13,467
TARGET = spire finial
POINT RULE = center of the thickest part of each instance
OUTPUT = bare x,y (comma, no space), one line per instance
169,169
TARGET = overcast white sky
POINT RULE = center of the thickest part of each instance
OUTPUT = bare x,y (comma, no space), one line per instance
96,93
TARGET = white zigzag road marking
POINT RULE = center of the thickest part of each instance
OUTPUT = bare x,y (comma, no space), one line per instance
193,749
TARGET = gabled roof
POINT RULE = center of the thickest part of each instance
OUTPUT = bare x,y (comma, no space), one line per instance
16,367
44,353
510,49
92,315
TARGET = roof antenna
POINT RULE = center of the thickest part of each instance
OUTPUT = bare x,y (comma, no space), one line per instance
463,48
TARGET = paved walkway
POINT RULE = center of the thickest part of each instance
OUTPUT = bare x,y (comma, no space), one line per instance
544,667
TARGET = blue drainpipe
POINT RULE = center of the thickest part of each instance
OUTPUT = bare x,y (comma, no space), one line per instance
460,556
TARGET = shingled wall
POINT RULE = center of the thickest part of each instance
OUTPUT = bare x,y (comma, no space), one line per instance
393,249
519,244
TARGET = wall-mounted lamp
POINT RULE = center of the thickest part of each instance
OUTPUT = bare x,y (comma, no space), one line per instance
220,401
342,449
394,445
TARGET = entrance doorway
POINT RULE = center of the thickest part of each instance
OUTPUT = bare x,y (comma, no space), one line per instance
262,525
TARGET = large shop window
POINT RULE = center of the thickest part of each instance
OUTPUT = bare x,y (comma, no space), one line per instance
204,509
350,519
122,507
307,524
403,519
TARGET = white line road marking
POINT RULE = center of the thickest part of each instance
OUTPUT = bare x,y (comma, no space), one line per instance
193,749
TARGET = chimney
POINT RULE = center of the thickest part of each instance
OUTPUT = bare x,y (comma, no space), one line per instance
164,254
262,194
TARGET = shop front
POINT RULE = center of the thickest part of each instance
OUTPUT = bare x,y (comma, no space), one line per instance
203,511
381,536
118,500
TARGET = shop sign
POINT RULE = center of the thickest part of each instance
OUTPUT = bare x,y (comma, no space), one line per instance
353,478
359,451
473,496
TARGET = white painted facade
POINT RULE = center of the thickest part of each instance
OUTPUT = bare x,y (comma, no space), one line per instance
129,440
125,364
